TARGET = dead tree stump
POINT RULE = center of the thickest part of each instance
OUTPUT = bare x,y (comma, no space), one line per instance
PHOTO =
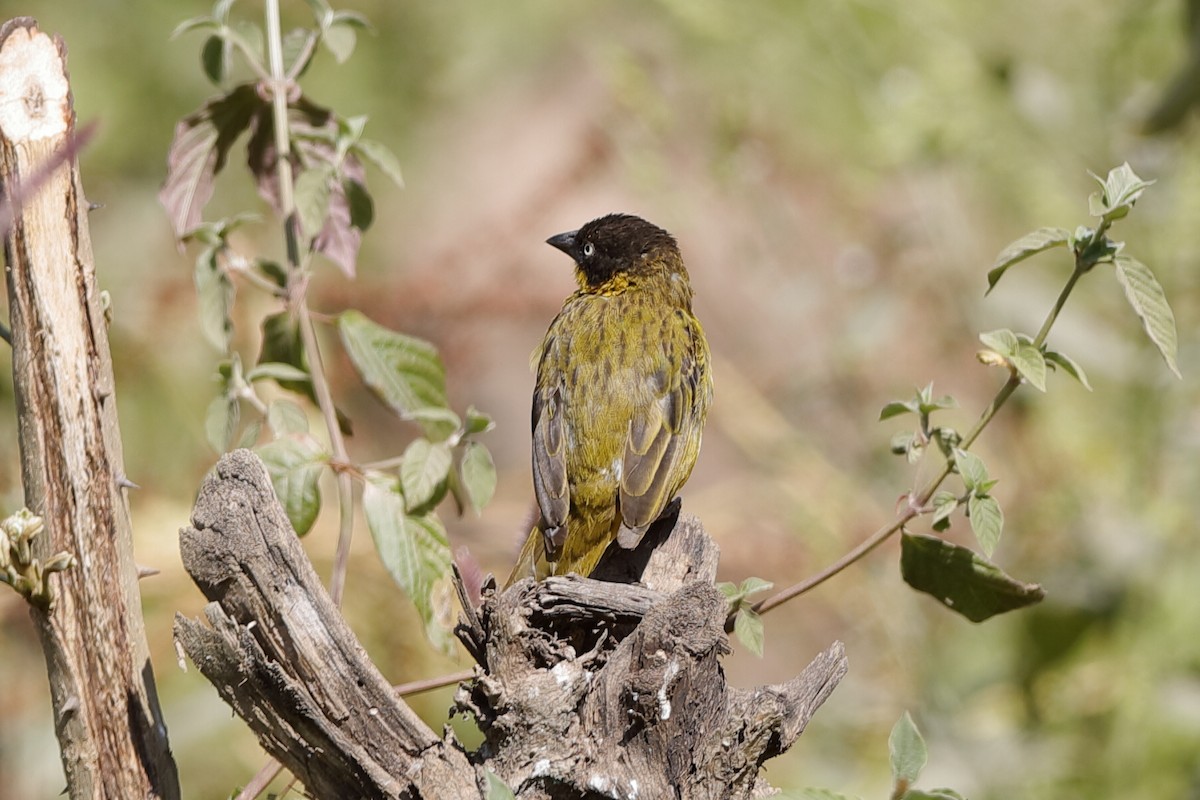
585,689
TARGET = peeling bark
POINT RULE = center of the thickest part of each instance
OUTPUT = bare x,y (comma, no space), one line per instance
106,714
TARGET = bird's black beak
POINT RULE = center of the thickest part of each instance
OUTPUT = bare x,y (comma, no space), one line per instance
564,242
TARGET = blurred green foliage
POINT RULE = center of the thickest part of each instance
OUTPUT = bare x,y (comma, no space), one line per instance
840,176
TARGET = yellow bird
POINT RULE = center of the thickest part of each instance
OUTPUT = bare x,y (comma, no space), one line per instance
623,387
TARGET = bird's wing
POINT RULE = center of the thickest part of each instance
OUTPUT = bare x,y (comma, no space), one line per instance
549,457
663,443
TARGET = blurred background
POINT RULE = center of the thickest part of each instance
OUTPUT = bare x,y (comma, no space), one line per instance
840,176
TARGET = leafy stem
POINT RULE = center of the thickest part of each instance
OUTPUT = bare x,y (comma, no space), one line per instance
918,502
280,85
298,298
308,164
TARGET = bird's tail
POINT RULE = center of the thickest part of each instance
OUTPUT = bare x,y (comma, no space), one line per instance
532,562
586,541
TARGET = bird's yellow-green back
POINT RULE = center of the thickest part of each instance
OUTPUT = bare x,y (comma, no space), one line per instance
623,388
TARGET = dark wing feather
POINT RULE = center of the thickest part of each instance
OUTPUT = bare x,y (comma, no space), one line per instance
663,443
549,457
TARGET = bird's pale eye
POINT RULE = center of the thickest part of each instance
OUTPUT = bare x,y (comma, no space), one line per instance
589,249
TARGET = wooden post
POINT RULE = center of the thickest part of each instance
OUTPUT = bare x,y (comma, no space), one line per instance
110,729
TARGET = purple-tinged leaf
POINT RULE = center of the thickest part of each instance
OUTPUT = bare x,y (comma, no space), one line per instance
199,151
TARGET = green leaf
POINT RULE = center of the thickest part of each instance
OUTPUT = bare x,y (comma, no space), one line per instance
1020,354
295,47
1030,364
1124,186
436,415
282,344
1119,191
351,18
748,628
362,207
321,10
213,59
200,149
477,422
227,225
753,585
736,594
944,504
907,749
1069,366
276,371
295,462
1030,244
284,417
987,521
350,130
896,408
932,794
945,401
214,294
206,233
313,190
383,158
339,39
478,475
497,789
250,435
947,439
962,580
249,39
405,372
1002,341
970,467
221,422
413,549
273,272
422,471
1148,300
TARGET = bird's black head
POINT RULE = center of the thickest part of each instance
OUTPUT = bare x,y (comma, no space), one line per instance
619,245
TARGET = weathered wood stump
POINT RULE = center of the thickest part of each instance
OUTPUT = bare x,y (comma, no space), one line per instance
585,688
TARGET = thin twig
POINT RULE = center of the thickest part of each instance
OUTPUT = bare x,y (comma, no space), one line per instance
874,540
416,687
261,780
